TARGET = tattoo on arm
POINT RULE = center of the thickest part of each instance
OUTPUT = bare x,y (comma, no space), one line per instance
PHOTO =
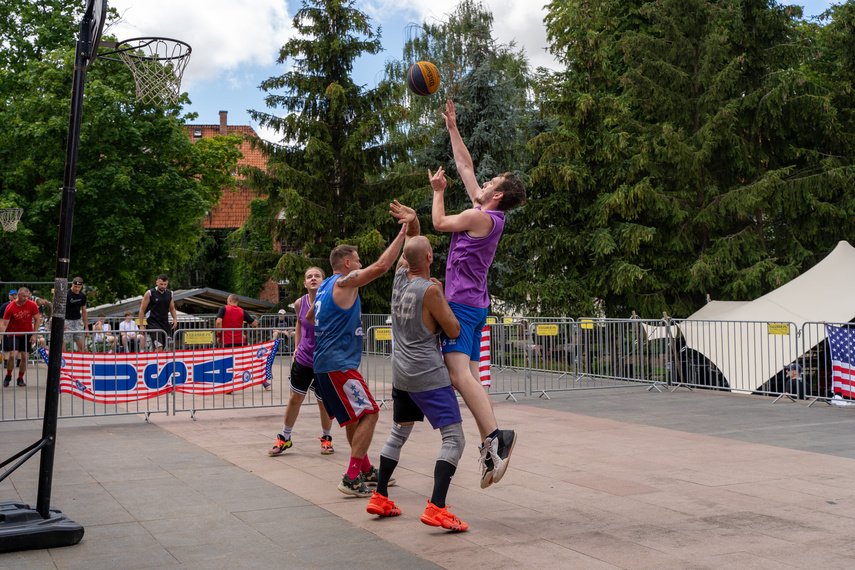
349,277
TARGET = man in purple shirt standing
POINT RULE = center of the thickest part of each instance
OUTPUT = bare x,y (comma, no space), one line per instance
476,234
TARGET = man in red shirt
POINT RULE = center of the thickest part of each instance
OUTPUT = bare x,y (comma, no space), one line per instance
232,317
22,316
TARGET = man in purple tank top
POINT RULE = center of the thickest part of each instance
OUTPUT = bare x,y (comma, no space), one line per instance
475,235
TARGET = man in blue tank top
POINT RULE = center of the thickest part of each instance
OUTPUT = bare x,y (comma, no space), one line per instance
337,316
475,236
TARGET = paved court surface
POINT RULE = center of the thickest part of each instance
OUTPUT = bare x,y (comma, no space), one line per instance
600,479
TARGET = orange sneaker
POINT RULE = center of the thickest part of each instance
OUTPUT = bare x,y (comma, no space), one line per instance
382,506
434,516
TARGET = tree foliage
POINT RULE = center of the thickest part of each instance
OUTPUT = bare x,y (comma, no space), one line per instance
142,186
693,151
488,82
329,173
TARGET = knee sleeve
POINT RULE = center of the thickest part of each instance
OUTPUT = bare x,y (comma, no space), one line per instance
397,439
452,443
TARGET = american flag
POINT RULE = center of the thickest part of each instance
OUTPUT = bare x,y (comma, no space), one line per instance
123,378
842,343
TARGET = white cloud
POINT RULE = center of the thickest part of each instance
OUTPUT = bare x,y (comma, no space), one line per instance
513,20
225,35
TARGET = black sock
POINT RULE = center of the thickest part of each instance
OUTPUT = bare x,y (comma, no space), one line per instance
387,466
442,474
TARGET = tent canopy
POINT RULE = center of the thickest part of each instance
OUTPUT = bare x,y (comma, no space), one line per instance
745,349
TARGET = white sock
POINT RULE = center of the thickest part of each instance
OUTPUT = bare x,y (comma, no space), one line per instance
327,433
286,431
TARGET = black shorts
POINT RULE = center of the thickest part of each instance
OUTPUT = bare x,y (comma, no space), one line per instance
404,409
302,378
16,343
160,332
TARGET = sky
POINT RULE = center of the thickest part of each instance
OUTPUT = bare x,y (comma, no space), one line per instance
236,42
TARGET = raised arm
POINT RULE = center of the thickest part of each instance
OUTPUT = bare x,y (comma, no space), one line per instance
462,158
407,215
364,276
474,221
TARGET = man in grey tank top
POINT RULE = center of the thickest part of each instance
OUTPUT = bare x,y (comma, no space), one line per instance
421,386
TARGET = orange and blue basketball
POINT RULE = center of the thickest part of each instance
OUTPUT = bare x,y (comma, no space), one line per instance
423,78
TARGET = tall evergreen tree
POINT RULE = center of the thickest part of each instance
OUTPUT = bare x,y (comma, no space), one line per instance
489,83
694,151
327,175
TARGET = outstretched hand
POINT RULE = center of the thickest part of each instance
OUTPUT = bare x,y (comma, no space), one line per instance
437,180
450,116
404,214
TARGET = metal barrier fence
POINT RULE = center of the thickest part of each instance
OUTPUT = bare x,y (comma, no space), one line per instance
527,357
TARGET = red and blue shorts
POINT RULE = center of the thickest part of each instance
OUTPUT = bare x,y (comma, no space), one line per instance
345,395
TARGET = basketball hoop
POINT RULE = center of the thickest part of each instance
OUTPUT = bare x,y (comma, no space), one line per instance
157,65
9,217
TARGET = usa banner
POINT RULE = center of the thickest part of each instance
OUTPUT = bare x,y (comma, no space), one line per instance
123,378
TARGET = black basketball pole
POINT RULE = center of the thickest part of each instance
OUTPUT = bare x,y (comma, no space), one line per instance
63,257
20,527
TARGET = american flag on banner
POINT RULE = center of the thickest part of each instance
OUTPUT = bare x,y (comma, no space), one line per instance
123,378
484,365
842,344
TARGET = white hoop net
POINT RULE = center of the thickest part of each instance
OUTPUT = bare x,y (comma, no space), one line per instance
157,65
9,217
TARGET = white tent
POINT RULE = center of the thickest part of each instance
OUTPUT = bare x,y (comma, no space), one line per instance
751,342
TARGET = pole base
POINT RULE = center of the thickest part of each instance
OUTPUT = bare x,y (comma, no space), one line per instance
23,528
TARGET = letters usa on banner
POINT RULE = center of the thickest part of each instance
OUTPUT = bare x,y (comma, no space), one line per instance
842,343
122,378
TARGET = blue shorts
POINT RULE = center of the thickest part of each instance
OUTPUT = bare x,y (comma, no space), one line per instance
439,406
472,321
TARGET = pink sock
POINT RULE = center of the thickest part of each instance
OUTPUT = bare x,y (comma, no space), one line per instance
366,465
353,467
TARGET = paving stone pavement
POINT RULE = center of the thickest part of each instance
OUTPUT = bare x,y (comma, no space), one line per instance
619,478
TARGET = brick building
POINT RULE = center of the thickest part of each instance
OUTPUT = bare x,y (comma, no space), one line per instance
233,208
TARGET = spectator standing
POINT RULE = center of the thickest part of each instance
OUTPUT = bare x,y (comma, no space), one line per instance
156,306
76,319
21,317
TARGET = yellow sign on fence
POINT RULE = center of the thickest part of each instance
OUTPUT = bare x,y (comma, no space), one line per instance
587,323
383,334
508,320
547,330
779,329
491,320
199,337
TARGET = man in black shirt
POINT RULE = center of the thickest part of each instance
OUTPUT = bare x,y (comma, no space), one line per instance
76,319
157,305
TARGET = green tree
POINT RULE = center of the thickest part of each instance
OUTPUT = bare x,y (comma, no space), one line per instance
142,185
693,152
329,174
488,82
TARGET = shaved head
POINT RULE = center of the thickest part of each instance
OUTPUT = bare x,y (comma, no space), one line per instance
418,252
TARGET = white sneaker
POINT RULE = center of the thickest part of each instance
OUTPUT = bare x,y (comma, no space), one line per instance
489,461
